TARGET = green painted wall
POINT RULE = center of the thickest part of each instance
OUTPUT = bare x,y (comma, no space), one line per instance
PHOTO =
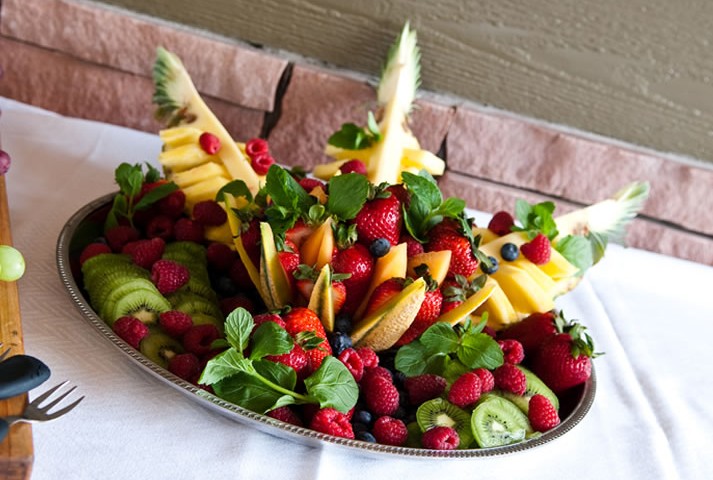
638,70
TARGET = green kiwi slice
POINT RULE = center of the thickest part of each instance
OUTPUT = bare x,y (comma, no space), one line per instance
497,421
107,304
192,303
534,386
98,262
441,413
160,348
145,305
192,249
112,278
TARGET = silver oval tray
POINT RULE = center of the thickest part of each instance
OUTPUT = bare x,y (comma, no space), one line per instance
85,225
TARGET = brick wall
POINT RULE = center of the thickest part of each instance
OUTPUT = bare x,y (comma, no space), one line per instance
90,61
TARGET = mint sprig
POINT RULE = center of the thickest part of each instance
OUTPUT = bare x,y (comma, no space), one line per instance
347,195
353,137
130,179
427,208
258,384
449,352
536,218
578,251
289,200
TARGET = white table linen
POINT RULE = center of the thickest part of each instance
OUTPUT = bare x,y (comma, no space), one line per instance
652,315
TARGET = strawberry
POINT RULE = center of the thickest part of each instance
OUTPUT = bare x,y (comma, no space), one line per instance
358,262
296,359
501,223
531,332
298,233
456,289
542,414
564,360
290,261
383,293
447,236
413,246
537,250
379,218
300,320
339,295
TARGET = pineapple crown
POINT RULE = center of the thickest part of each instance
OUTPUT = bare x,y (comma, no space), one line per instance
401,73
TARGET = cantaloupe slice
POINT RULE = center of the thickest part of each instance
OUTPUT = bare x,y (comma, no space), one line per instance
437,263
393,264
318,247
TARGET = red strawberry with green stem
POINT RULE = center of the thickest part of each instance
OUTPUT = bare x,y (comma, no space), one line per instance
428,313
358,262
457,289
533,330
447,235
380,217
306,328
564,360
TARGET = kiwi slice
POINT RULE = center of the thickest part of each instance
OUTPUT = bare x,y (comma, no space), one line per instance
192,249
145,305
160,348
441,413
99,262
201,289
191,303
111,279
497,421
107,304
534,386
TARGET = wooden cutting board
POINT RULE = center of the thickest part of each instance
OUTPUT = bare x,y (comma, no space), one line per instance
16,451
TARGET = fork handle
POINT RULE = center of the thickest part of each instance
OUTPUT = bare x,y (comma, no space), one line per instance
20,374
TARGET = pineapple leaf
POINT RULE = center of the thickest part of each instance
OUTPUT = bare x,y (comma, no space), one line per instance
170,80
401,74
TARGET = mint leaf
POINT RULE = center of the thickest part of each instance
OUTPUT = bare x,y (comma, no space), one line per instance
223,365
480,351
289,200
452,369
353,137
347,195
156,194
410,359
333,386
577,250
276,373
439,337
426,206
270,339
249,392
236,188
536,218
238,326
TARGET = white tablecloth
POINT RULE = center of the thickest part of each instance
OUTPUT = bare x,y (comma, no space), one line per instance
652,315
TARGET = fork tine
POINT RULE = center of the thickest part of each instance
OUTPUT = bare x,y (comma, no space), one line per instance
64,410
54,402
4,354
49,392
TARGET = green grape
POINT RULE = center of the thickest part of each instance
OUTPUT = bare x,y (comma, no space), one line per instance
12,265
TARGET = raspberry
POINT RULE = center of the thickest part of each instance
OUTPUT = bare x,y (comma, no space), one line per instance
487,381
501,223
209,212
120,235
160,226
240,276
169,276
542,414
131,330
368,357
261,163
466,390
198,338
220,257
381,396
424,387
537,250
413,246
173,204
390,431
145,253
332,422
512,351
185,366
373,372
186,230
353,166
285,414
256,146
268,317
175,323
209,143
440,438
310,184
92,250
229,304
352,360
510,378
296,359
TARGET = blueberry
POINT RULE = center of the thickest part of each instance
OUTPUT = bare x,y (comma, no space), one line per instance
362,416
509,252
343,323
359,427
366,437
492,268
339,341
224,286
379,247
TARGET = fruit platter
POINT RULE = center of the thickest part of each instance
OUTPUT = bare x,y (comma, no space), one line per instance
351,305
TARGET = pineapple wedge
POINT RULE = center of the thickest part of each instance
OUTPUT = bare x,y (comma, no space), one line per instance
179,103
